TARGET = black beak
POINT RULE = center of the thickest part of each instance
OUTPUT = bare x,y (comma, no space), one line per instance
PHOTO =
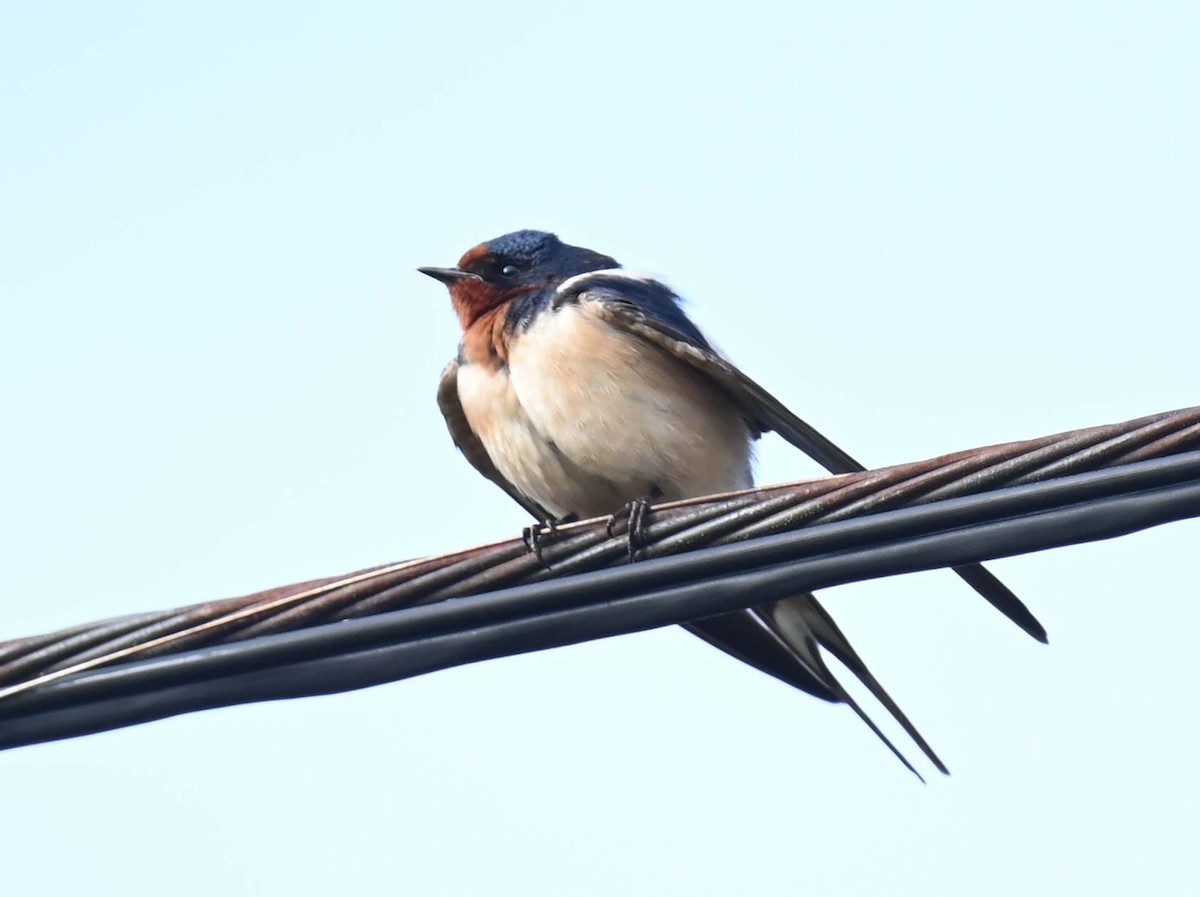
448,276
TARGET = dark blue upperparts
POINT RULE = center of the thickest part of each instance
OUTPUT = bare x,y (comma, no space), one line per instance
656,300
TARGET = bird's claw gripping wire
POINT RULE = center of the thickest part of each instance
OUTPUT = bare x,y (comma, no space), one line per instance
537,536
634,514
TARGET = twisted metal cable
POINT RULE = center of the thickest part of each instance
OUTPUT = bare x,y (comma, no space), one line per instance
670,529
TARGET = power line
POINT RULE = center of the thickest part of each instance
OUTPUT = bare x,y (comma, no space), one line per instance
757,545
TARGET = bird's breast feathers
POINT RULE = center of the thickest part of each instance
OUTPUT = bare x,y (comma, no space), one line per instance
585,417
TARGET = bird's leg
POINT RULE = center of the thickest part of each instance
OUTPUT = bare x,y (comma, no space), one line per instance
635,514
538,535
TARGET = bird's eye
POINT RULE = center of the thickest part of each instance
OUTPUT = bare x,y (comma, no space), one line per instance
509,270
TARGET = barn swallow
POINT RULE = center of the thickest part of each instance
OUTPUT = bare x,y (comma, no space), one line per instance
580,388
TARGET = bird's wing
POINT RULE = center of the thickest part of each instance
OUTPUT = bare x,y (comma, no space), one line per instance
609,301
648,309
470,445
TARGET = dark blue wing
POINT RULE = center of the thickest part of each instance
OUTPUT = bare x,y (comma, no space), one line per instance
655,300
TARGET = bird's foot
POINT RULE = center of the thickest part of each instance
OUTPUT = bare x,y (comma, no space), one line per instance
634,514
537,536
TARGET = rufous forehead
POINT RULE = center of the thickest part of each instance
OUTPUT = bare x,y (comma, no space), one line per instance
474,254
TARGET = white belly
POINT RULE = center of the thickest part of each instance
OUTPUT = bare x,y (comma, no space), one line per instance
586,418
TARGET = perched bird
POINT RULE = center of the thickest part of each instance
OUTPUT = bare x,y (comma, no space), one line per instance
580,388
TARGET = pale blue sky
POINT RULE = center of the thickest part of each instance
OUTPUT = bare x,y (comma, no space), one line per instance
924,226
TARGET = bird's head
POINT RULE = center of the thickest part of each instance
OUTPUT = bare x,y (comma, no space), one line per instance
500,270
